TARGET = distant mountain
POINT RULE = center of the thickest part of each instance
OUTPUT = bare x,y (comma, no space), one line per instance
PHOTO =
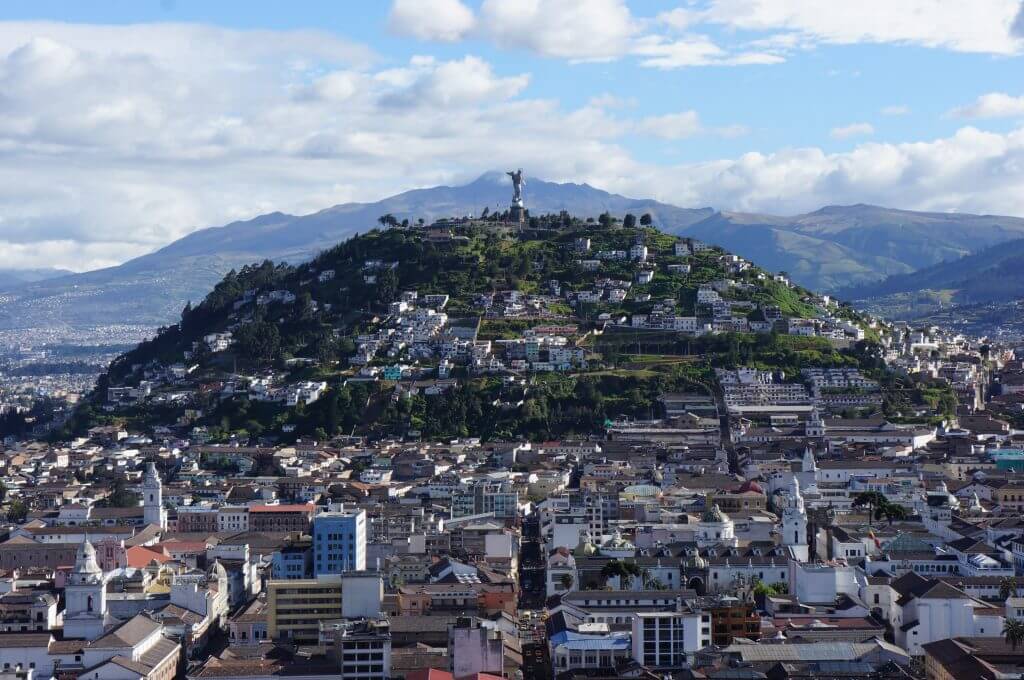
838,247
993,275
12,278
830,249
153,288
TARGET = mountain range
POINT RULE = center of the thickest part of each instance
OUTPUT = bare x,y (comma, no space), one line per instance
992,275
831,249
14,278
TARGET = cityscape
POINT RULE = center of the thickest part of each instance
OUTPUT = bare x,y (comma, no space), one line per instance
473,407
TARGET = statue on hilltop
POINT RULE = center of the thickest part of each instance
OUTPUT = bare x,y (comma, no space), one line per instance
517,186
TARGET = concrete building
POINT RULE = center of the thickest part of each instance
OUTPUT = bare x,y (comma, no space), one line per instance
339,542
667,639
295,608
281,518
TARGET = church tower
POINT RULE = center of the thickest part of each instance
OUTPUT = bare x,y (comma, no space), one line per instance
815,426
809,464
152,500
794,522
85,611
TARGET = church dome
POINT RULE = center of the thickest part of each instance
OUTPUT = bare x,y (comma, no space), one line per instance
618,542
218,571
750,485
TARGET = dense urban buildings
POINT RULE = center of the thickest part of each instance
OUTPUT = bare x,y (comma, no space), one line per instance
573,480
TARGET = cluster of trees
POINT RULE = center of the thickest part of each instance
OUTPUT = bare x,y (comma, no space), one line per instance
626,571
879,507
555,406
120,496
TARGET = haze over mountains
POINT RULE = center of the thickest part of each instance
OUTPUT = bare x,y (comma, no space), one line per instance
830,249
13,278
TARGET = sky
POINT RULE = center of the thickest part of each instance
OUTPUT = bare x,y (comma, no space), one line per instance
127,124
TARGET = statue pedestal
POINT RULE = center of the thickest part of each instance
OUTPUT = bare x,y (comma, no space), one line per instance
516,213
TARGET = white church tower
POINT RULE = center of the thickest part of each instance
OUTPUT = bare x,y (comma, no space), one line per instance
85,611
794,522
153,498
815,426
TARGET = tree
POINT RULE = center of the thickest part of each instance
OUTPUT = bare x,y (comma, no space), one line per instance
894,512
566,581
875,502
17,512
629,221
1013,632
387,286
645,220
120,496
626,571
260,341
1008,586
605,220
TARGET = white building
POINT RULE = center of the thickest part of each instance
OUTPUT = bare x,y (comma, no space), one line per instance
667,639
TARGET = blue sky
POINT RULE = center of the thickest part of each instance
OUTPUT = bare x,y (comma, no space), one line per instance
130,124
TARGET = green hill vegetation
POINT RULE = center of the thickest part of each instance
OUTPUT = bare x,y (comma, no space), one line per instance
305,322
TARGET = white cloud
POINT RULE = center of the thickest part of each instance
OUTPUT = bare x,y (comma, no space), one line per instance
971,171
443,20
454,83
605,30
679,18
684,124
979,26
759,31
672,125
607,100
895,110
118,140
992,105
580,30
693,50
121,139
852,130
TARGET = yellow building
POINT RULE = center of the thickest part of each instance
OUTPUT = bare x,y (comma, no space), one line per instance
295,608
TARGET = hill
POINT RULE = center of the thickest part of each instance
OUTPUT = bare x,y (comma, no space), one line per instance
153,288
829,249
13,278
472,329
995,274
838,247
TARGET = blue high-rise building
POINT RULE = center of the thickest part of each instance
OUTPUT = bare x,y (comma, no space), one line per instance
339,542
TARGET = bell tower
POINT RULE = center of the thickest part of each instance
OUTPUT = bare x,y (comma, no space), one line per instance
85,611
794,522
153,498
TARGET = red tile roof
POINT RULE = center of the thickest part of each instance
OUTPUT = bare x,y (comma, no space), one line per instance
140,557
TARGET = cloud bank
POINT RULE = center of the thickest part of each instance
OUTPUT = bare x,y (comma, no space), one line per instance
120,139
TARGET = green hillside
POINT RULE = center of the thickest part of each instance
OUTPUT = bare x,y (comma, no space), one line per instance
291,324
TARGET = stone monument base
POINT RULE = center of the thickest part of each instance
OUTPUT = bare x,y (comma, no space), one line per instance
516,214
